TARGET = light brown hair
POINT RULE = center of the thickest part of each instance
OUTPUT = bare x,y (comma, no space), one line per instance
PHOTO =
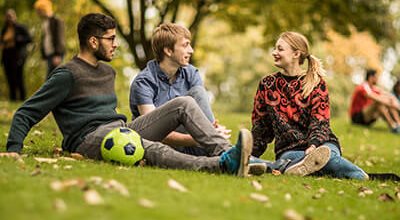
44,5
315,70
165,36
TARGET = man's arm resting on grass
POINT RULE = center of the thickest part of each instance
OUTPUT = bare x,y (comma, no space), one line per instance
174,138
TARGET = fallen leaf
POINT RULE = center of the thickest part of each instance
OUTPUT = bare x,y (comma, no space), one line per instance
92,197
96,180
117,186
276,172
322,190
397,194
383,185
384,197
146,203
341,192
57,152
67,158
365,190
77,156
257,185
291,214
288,197
307,186
259,197
177,186
67,167
64,185
317,196
59,205
36,171
142,163
45,160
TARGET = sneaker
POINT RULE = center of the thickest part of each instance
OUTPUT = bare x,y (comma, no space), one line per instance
312,162
236,159
257,169
396,130
257,166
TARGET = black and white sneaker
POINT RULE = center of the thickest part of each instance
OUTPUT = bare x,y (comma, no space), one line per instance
312,162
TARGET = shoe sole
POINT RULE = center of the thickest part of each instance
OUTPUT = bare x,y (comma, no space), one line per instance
247,145
257,169
312,162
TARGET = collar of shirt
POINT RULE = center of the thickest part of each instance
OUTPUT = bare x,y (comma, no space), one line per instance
161,75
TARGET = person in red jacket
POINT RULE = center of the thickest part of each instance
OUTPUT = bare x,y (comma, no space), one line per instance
369,103
291,106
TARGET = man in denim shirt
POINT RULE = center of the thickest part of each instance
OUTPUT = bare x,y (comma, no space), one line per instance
169,76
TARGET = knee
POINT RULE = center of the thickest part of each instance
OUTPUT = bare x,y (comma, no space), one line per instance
184,101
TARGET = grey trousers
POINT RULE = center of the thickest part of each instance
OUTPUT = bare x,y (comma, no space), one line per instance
156,125
199,94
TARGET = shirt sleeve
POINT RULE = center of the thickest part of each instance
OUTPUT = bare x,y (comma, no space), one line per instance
196,79
320,115
51,94
261,130
141,92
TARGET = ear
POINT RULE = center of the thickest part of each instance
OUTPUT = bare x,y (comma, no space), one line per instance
297,54
167,51
93,43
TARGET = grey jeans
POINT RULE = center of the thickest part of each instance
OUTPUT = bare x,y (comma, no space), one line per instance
156,125
199,94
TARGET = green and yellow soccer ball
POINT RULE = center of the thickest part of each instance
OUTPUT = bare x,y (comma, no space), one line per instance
122,145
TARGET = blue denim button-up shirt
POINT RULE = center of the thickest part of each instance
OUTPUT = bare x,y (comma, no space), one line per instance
151,86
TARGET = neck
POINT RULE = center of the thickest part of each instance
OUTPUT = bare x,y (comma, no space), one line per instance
292,71
88,57
169,68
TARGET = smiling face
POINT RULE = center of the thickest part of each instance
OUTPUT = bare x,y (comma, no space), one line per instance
107,46
181,53
284,56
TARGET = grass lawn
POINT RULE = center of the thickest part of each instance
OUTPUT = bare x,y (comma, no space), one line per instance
28,189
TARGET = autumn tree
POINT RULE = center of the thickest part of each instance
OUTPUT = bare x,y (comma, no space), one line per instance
312,17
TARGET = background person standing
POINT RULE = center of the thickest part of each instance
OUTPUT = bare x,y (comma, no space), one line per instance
52,45
13,41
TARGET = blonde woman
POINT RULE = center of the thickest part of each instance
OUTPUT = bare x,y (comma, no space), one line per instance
291,107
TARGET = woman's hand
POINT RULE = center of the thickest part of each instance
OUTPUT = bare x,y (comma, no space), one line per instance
309,149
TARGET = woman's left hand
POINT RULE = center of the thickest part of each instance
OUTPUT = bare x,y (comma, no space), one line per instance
309,149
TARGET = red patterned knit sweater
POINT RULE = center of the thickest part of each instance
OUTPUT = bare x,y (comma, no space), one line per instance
280,112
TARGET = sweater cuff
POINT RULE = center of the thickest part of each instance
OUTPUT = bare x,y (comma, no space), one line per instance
14,148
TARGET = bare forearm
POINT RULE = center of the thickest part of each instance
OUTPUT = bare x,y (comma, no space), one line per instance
179,139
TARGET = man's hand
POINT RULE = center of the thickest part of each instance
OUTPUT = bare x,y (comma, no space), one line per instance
226,133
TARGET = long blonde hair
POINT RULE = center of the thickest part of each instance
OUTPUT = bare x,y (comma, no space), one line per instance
315,70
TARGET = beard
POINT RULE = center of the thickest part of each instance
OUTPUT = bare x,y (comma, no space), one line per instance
100,54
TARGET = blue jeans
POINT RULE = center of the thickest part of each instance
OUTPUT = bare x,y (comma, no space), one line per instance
337,166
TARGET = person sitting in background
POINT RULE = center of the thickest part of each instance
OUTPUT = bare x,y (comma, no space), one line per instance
369,103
